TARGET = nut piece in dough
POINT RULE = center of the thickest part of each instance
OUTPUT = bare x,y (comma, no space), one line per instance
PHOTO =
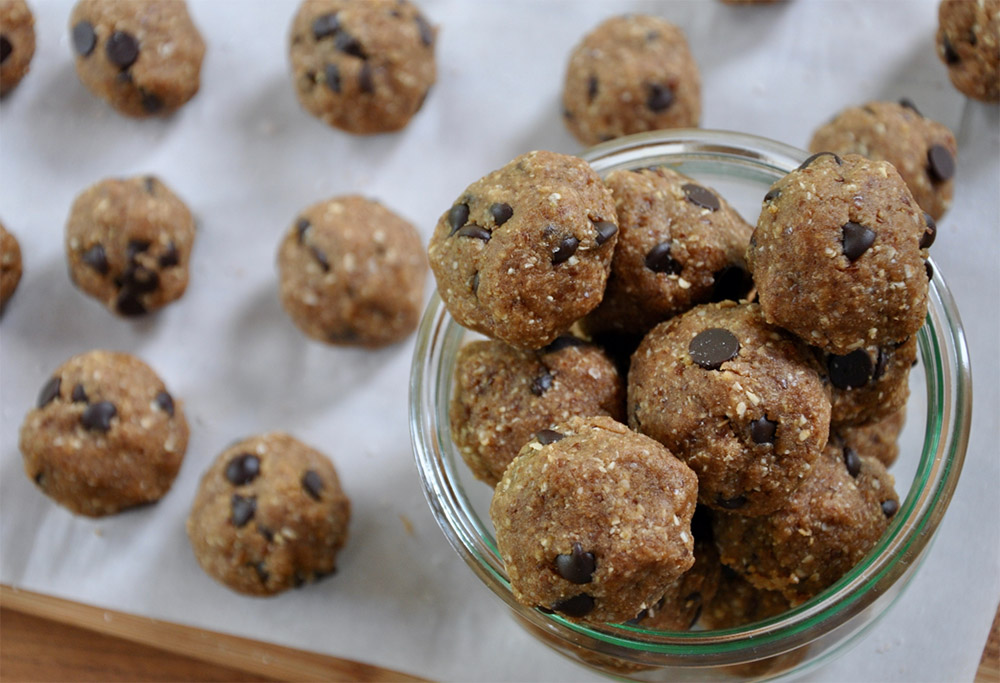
10,265
17,43
968,42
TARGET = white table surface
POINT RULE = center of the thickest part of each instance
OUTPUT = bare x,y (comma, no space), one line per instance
246,158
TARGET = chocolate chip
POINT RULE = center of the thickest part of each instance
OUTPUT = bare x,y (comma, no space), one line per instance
122,49
301,226
348,44
96,258
49,392
930,232
605,231
951,57
541,384
563,342
84,38
856,240
366,84
128,304
79,394
547,436
712,347
458,215
325,25
40,479
940,163
889,507
242,469
475,281
660,97
578,606
731,503
312,484
140,279
5,49
659,260
591,88
151,103
261,572
762,430
772,194
265,532
473,230
852,461
501,213
170,257
565,250
134,248
881,360
930,270
907,103
320,257
331,75
700,196
426,32
97,416
578,566
732,283
817,155
850,371
243,509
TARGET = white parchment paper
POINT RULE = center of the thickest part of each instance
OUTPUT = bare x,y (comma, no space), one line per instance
246,158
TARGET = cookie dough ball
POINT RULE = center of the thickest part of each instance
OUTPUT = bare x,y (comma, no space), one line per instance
142,56
128,243
738,602
738,400
838,254
352,273
868,384
631,74
105,435
834,518
525,251
10,265
364,66
679,244
593,521
269,515
879,440
968,42
504,396
922,151
17,43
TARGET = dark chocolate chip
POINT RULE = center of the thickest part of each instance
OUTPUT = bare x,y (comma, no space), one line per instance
96,258
732,283
772,194
763,430
889,507
475,281
565,250
712,347
567,114
265,532
301,226
40,479
578,606
79,394
659,260
312,484
852,461
591,88
298,580
605,231
149,183
261,572
366,83
652,35
547,436
930,232
242,469
541,384
122,49
951,57
5,49
908,104
930,270
243,509
473,230
49,392
458,215
135,247
170,257
331,74
348,44
881,360
731,503
151,103
140,279
817,155
850,371
426,32
940,163
700,196
501,213
128,303
325,25
578,566
320,257
660,97
856,240
97,416
563,342
84,38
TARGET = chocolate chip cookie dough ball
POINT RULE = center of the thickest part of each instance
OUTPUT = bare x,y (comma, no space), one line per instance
737,400
504,396
834,518
17,43
879,440
593,521
631,74
868,384
128,243
10,265
838,254
269,515
922,151
525,251
364,66
968,42
679,244
352,273
106,435
142,56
